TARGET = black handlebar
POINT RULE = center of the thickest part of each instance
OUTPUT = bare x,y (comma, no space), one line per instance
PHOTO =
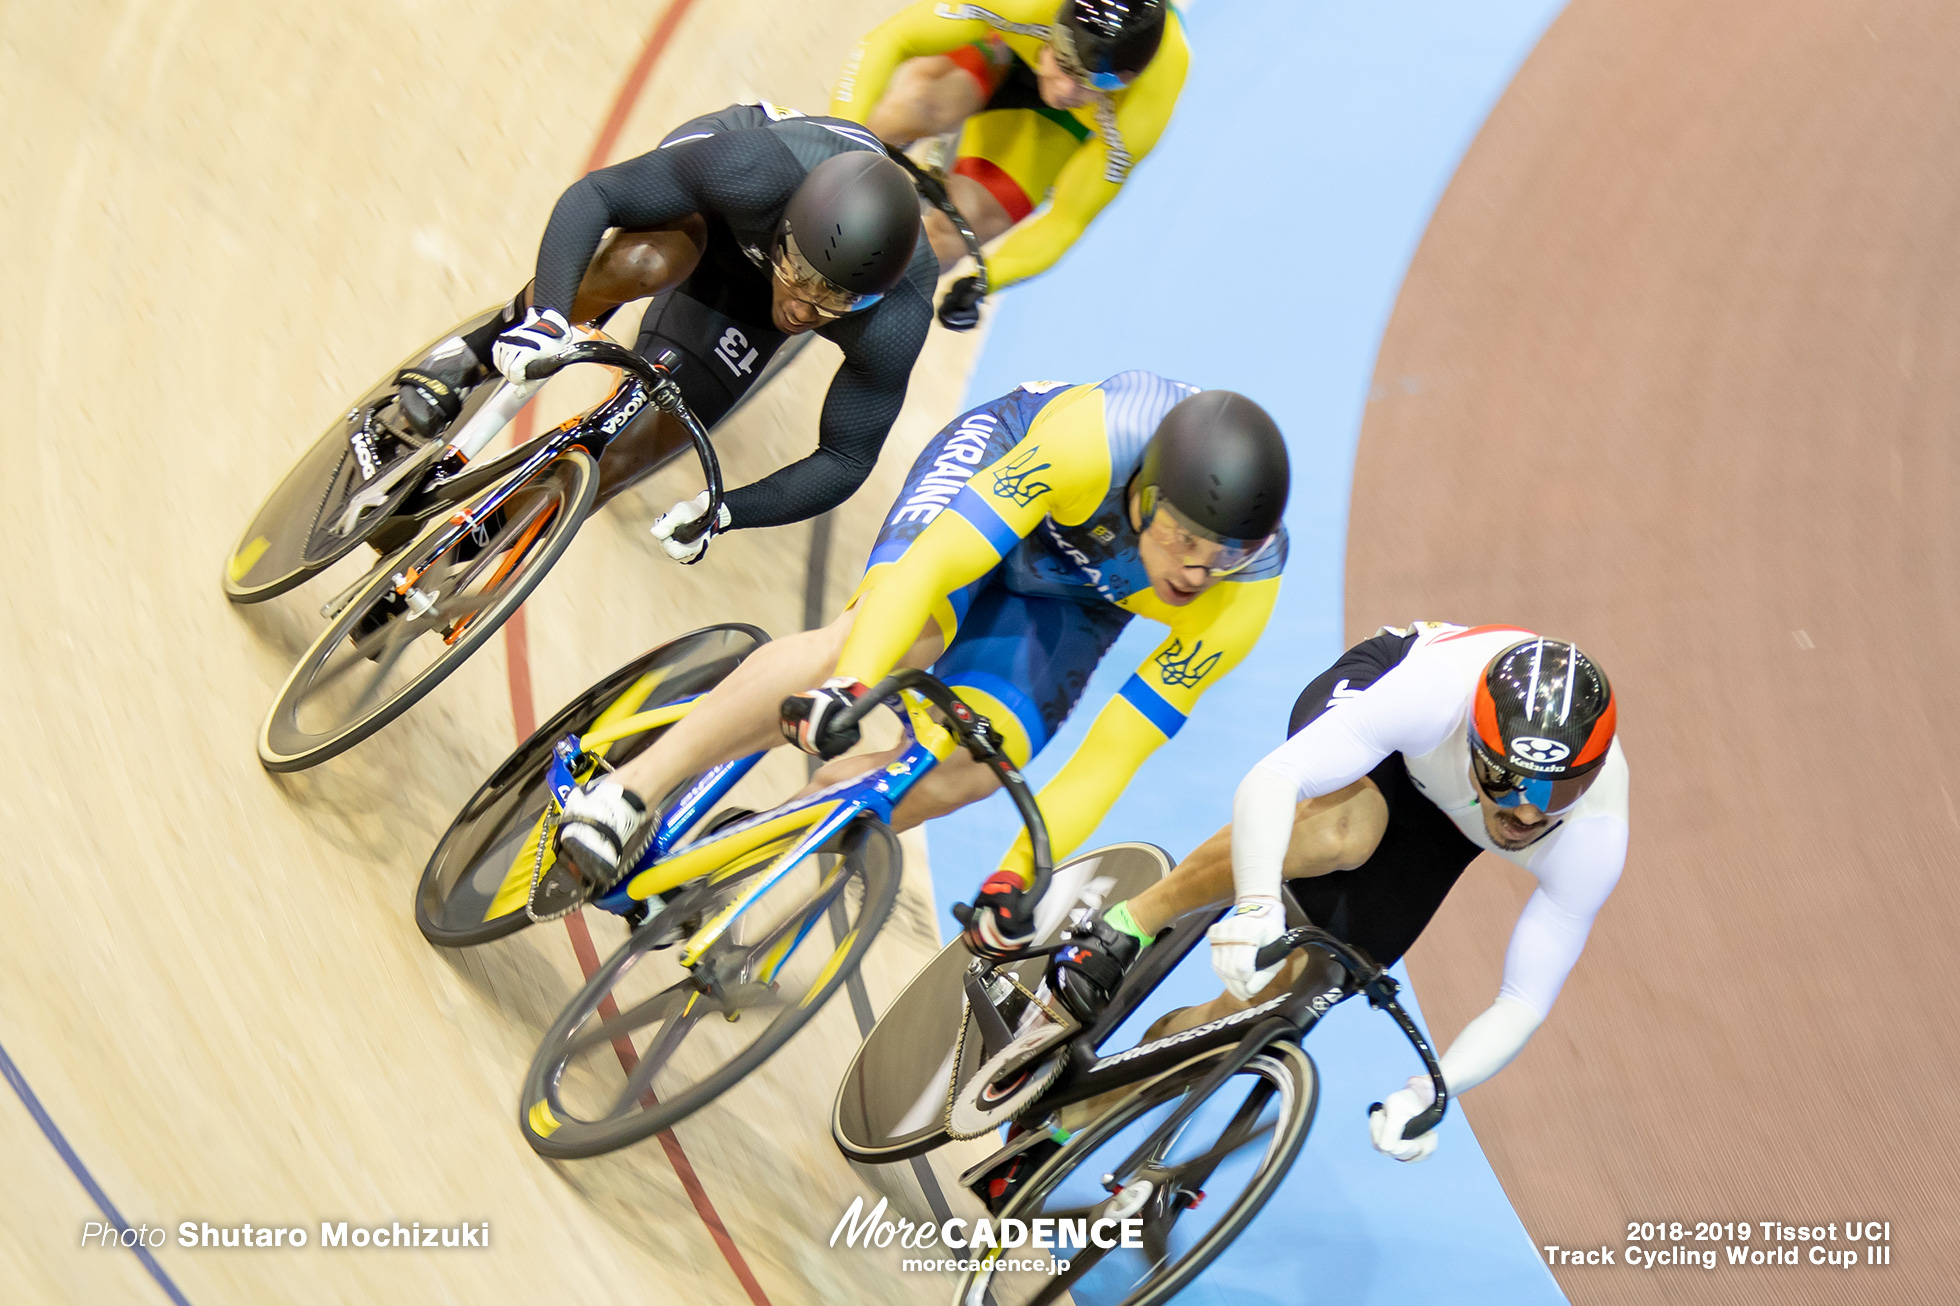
960,317
658,377
976,734
1380,986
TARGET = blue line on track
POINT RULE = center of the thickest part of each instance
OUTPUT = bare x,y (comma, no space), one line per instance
108,1208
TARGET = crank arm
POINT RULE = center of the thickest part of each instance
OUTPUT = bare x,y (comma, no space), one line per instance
375,492
336,605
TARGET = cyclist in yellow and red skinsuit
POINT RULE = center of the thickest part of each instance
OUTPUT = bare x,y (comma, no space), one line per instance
1056,107
1029,533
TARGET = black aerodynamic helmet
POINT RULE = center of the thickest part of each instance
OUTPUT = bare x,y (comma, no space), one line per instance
1100,42
849,230
1541,724
1218,463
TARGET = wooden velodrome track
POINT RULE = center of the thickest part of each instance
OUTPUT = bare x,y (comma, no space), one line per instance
222,222
1675,375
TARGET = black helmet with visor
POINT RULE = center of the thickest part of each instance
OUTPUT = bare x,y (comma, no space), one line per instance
848,233
1214,480
1104,43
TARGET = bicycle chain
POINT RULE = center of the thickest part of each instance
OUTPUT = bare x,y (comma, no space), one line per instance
966,1020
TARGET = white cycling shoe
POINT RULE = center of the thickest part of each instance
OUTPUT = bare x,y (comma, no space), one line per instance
596,832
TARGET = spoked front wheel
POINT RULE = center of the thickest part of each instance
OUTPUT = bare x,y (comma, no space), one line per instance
1193,1193
385,651
646,1043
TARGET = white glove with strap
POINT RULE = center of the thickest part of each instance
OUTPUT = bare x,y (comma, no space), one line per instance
1235,942
544,333
1387,1119
682,513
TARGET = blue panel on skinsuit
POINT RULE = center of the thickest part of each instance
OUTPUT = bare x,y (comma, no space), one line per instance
1260,248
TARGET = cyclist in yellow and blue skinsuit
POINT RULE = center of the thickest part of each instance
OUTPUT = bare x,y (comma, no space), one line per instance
1029,532
1055,101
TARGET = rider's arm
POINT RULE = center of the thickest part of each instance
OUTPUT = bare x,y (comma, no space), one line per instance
735,173
1222,624
865,396
1095,173
1061,466
1575,876
916,30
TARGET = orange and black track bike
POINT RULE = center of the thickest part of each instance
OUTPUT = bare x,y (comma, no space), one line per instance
459,547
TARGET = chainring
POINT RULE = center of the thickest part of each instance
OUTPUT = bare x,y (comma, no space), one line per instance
1010,1081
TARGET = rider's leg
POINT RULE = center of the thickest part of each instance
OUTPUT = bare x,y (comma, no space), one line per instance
1335,832
739,716
926,97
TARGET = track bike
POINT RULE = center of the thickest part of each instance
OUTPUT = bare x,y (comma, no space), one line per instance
732,899
476,548
1189,1133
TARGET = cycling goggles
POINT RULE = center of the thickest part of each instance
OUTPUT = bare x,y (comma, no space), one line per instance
1507,788
1191,544
1062,40
802,280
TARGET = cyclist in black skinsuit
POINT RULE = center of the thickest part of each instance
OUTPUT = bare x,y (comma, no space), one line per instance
864,283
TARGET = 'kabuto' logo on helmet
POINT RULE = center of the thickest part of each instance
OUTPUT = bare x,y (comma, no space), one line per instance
1545,752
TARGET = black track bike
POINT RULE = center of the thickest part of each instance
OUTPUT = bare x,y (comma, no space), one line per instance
1188,1133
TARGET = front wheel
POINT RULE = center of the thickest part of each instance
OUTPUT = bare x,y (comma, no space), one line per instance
646,1044
381,655
1193,1194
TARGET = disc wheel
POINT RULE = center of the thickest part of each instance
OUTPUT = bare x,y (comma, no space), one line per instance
304,526
646,1044
381,654
1194,1193
474,887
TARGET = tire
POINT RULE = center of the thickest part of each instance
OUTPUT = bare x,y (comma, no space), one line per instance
456,904
1292,1084
559,497
868,855
891,1103
290,538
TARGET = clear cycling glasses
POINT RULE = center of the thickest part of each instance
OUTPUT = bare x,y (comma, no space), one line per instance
1507,788
803,280
1063,42
1191,544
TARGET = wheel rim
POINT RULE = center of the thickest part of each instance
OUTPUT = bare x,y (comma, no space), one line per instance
643,1046
353,680
471,891
1226,1156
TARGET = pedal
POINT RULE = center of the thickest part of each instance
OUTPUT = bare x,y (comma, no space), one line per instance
1009,1082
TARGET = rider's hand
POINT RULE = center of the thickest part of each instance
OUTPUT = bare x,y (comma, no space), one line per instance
1236,940
1386,1121
544,333
1002,920
960,309
807,718
681,514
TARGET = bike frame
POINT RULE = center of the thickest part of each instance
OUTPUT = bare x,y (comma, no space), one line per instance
809,822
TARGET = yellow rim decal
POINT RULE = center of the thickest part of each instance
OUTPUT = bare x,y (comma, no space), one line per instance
247,558
830,967
542,1122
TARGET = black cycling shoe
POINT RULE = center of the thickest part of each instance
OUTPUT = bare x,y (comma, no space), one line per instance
1087,972
996,1188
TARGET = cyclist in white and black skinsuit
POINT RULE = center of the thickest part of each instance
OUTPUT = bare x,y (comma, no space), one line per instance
1416,751
742,169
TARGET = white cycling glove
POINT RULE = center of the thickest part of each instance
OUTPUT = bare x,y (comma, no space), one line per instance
1386,1121
544,333
687,510
1235,942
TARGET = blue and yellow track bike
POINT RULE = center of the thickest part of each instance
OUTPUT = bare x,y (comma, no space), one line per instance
742,925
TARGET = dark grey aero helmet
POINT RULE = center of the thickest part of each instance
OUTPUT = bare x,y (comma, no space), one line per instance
1219,464
853,224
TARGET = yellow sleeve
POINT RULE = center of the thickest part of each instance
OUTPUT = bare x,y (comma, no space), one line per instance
1095,173
912,32
1060,466
1208,638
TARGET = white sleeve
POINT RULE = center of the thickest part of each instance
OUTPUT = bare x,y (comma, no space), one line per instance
1401,712
1574,880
